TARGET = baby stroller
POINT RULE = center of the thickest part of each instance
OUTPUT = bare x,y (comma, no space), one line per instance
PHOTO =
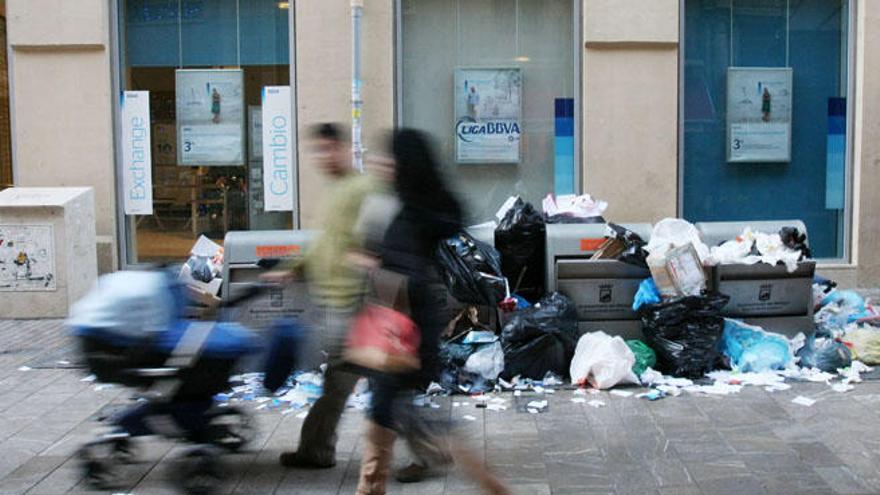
131,332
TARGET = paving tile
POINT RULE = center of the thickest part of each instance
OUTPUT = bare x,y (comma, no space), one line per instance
738,485
843,481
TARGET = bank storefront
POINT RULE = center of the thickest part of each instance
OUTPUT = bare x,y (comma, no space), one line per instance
765,129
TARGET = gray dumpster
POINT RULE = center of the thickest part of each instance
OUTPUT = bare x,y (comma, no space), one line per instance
242,251
761,294
602,290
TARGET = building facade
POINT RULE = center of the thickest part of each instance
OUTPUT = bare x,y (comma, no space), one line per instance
705,109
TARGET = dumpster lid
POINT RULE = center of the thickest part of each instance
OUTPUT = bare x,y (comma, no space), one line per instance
251,246
583,240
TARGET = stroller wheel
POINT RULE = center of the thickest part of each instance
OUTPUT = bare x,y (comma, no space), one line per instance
200,472
100,463
231,428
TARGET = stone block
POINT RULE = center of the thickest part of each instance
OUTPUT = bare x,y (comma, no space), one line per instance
47,250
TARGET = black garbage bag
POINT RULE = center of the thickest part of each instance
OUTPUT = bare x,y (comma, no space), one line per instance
471,270
519,238
634,246
794,239
827,354
540,338
684,332
201,268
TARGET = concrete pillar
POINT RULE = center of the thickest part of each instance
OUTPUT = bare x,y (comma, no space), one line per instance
323,83
630,102
62,105
866,156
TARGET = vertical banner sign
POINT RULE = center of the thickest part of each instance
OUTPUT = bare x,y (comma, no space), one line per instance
137,179
277,149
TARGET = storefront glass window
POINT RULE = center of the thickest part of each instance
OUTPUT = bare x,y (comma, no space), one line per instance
5,127
206,167
765,128
493,81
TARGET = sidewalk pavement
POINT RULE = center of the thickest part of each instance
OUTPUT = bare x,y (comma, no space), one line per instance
751,443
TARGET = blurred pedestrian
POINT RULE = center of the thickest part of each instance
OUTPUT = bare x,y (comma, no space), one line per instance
429,213
336,289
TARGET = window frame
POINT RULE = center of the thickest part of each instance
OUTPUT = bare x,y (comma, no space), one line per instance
578,82
851,39
126,241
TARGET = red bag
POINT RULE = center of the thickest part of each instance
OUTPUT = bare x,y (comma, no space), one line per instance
383,338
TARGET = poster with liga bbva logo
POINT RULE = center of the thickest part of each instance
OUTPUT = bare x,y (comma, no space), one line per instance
488,115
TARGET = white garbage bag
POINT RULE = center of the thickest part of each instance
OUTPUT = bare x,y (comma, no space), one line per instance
602,361
487,362
671,233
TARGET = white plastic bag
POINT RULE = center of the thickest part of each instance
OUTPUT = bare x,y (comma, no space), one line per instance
671,233
487,362
602,361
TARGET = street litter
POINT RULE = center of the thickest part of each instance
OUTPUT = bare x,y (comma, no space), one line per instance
803,401
652,395
621,393
596,403
578,400
24,368
89,378
842,387
468,417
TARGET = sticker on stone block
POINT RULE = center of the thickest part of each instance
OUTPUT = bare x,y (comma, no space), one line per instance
27,258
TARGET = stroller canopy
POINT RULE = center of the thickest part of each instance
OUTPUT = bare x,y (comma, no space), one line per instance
126,306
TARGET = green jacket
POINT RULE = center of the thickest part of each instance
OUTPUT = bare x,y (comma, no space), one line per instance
332,280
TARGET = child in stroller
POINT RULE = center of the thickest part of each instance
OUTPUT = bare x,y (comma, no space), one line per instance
131,332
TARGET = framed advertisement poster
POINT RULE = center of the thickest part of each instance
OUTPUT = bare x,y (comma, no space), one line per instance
210,117
759,114
488,115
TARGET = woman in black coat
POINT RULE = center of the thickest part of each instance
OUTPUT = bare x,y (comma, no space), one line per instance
429,214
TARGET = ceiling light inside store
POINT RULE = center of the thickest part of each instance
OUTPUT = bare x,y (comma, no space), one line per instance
522,59
283,5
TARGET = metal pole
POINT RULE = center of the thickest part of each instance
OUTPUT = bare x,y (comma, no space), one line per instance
357,103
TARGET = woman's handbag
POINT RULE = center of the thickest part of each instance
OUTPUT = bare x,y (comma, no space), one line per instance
383,337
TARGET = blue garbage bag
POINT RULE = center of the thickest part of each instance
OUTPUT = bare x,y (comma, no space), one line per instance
824,353
647,294
851,305
750,348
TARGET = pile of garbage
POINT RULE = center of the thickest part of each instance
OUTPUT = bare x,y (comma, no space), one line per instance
687,342
533,345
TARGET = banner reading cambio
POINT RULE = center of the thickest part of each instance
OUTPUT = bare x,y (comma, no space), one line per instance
137,178
277,149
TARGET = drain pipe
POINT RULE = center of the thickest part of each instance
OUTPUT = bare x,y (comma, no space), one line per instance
357,103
